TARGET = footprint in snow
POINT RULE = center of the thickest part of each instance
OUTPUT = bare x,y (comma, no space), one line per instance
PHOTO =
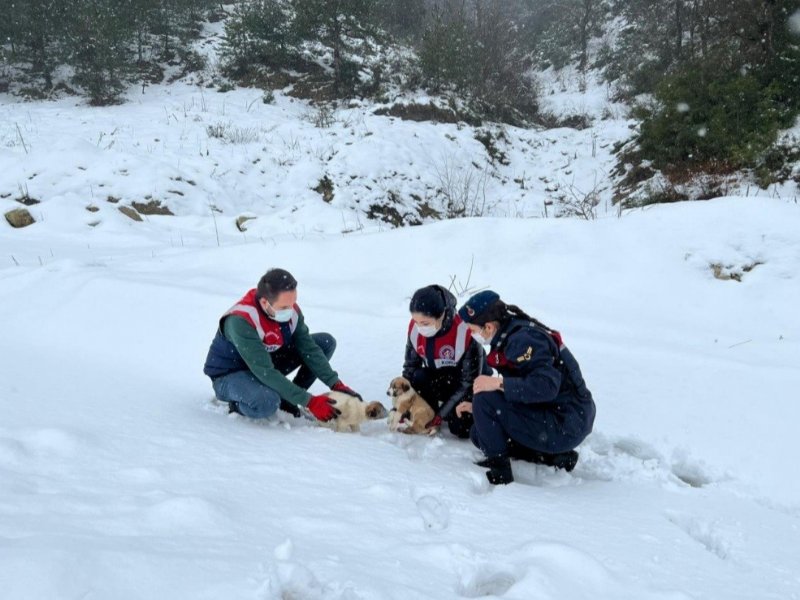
706,533
609,458
288,579
435,514
485,581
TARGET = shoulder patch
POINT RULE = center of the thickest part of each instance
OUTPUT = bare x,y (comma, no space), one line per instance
525,347
526,356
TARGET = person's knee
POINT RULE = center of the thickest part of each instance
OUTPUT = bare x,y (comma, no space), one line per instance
326,342
419,380
487,404
261,405
253,398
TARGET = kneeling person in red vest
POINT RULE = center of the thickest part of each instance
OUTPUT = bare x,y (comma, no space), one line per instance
262,339
441,359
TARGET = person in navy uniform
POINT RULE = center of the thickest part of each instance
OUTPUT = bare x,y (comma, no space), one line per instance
441,358
539,408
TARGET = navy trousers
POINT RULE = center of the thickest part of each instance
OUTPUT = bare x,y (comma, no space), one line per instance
550,428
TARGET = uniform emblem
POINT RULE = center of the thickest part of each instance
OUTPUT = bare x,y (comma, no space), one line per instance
272,341
447,352
470,311
527,356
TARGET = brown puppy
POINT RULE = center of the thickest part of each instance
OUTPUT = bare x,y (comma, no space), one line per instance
411,413
353,412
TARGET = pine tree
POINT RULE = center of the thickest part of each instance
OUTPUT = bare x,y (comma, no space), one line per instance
446,51
100,43
560,30
35,29
257,34
475,50
726,90
340,25
403,18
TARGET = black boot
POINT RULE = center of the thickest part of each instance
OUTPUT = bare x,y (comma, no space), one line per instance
499,472
562,460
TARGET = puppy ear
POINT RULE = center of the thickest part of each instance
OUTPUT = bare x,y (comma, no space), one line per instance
405,385
375,410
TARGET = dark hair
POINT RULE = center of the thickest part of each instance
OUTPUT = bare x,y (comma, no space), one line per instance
502,313
273,283
429,301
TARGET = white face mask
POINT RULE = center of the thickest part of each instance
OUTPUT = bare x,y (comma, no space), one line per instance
284,315
428,330
480,339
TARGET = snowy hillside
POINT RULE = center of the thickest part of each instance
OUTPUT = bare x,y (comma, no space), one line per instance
194,151
298,167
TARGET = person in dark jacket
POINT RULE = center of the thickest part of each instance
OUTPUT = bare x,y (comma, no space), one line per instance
262,339
442,360
539,408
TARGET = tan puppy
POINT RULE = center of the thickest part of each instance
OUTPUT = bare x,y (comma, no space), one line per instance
411,413
354,412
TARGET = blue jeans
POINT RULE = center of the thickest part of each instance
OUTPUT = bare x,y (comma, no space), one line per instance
256,400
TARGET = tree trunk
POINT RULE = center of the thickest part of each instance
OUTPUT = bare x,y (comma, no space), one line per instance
678,30
337,54
39,60
585,23
140,44
767,31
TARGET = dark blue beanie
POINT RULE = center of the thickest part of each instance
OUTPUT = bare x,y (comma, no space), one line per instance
477,305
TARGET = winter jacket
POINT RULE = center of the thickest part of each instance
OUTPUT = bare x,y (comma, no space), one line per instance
427,355
538,369
246,338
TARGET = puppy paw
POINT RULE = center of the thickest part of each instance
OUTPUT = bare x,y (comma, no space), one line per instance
393,421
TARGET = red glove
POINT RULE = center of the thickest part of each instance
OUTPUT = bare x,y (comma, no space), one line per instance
339,386
435,422
321,406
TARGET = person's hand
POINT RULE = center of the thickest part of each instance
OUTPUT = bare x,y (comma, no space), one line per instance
321,407
463,407
486,383
339,386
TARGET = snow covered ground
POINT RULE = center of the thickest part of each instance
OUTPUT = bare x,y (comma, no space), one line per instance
121,476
